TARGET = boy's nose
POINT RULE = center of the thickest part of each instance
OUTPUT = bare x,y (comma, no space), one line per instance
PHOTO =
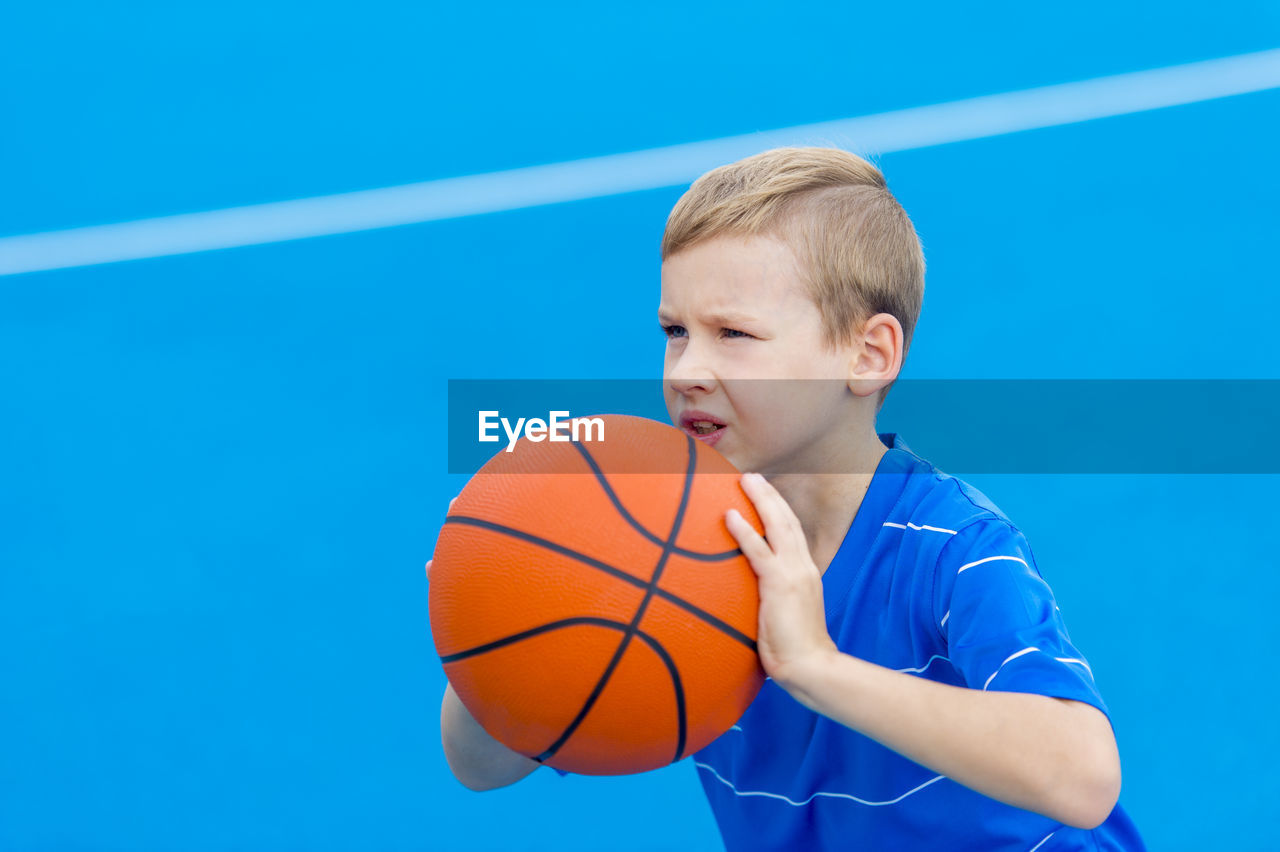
692,385
688,375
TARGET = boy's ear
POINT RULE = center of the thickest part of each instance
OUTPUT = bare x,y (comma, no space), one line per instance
875,356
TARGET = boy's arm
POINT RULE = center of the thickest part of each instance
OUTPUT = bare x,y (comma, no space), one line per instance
1052,756
478,760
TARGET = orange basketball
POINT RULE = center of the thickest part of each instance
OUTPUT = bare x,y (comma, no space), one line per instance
588,604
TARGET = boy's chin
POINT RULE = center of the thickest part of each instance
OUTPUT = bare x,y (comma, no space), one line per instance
735,459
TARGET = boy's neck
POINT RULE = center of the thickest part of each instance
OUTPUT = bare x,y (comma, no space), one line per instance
826,503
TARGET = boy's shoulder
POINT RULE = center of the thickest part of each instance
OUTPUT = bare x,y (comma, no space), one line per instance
929,497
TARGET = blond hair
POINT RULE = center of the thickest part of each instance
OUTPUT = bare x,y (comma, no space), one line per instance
856,245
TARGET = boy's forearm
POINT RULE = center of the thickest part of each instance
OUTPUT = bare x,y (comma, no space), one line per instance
478,760
1048,755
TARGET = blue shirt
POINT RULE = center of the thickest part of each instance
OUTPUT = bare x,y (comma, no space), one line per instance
933,580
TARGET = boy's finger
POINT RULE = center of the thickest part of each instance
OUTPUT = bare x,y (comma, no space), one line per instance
749,541
761,492
447,511
779,520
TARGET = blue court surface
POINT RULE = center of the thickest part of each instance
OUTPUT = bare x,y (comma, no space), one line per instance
222,446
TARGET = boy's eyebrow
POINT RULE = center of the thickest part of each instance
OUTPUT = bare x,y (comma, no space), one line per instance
719,318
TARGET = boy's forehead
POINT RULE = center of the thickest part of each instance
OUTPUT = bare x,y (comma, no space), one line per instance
728,277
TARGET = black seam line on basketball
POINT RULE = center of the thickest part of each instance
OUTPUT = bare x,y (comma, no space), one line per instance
681,722
640,528
722,626
533,631
667,547
682,733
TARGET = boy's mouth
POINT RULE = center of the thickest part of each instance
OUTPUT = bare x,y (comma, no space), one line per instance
703,426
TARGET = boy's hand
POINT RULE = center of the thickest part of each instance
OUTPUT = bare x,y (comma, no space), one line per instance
447,511
793,621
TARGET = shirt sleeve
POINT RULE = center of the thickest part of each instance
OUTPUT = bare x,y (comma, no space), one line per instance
1002,628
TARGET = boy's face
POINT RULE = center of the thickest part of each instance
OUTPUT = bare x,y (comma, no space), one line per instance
745,355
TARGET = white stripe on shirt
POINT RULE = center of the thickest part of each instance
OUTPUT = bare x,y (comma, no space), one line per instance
1042,842
927,664
819,793
1008,660
1013,657
964,568
1077,662
918,527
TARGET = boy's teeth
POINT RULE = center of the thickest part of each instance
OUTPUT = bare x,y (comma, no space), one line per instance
704,427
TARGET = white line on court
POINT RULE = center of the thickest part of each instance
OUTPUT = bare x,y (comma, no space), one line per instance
887,132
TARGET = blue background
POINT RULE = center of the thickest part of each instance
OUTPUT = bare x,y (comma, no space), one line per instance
220,474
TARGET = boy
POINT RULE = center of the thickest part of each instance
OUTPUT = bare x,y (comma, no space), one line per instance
923,692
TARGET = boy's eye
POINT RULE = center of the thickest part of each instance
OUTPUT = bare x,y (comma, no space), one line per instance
674,331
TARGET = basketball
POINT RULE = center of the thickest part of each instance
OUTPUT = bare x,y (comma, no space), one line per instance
588,605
